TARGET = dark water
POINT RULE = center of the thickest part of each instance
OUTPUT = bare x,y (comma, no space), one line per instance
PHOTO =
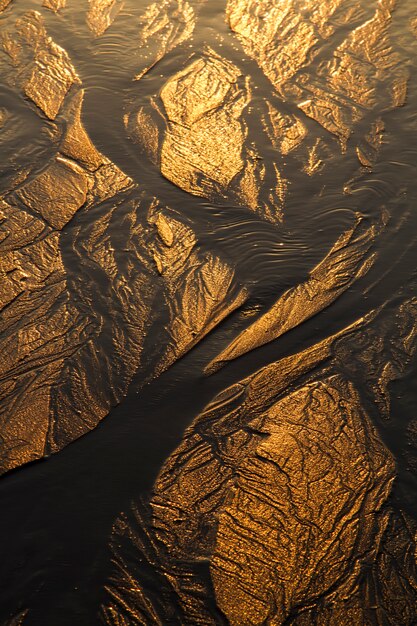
57,514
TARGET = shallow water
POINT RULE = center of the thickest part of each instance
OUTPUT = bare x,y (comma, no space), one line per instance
58,512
